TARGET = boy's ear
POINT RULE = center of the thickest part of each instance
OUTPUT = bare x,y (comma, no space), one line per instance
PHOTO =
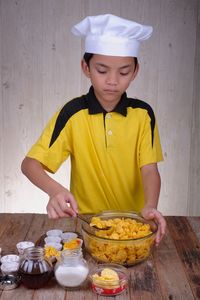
136,71
85,68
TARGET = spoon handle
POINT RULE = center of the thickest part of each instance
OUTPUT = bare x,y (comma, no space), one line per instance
81,217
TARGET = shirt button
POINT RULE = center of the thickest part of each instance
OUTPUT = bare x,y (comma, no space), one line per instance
109,132
108,116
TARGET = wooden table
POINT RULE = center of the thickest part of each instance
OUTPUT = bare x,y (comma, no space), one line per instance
172,272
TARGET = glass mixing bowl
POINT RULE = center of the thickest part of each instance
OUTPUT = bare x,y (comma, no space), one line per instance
126,252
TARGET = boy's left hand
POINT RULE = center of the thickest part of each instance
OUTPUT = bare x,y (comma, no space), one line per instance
152,213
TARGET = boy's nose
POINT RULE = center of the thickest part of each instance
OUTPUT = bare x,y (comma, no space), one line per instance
112,79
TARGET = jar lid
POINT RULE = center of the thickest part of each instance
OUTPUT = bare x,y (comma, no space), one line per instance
9,282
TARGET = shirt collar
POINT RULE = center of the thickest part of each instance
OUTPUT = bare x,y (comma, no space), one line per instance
95,107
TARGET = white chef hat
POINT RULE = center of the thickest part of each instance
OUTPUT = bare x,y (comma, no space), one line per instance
111,35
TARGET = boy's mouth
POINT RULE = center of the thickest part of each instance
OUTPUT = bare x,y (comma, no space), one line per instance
110,91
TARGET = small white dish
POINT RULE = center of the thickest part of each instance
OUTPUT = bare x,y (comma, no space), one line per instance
52,239
9,267
54,232
57,246
21,246
10,258
67,236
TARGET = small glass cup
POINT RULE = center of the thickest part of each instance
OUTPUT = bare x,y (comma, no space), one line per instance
10,258
67,236
53,239
57,246
10,268
106,286
72,244
21,246
54,232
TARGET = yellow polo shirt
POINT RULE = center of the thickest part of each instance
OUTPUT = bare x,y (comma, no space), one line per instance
106,150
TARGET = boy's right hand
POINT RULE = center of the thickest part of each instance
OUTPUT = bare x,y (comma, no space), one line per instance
62,204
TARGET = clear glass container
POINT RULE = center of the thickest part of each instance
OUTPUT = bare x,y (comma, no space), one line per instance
72,269
34,269
122,251
104,283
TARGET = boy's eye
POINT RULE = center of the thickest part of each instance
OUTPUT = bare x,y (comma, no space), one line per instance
101,71
124,74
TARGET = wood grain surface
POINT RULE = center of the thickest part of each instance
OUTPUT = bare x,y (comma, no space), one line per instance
171,272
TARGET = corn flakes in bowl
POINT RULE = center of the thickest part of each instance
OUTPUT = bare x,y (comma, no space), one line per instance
123,237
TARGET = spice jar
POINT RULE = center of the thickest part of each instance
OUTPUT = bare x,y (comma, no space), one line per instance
72,269
34,269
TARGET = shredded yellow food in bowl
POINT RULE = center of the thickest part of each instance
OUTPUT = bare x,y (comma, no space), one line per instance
124,242
120,228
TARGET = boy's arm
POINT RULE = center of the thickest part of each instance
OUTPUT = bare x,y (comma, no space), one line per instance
151,183
61,201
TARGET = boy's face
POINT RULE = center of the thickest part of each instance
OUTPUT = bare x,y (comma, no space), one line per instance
110,77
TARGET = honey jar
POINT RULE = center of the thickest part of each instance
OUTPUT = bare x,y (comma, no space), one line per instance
34,269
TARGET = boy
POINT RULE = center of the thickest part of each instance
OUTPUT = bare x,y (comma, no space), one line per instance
112,140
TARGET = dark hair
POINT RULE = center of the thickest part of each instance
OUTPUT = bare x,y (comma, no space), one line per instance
87,57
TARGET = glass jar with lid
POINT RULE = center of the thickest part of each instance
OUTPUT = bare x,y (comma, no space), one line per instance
72,269
34,269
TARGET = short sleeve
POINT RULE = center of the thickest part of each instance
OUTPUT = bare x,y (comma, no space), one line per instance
51,155
150,150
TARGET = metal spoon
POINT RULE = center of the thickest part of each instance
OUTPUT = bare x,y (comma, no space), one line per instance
93,226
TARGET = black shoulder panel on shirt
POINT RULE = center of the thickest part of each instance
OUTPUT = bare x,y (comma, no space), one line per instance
68,110
135,103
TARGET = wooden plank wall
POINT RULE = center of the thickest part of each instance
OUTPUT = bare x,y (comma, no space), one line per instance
40,71
194,172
